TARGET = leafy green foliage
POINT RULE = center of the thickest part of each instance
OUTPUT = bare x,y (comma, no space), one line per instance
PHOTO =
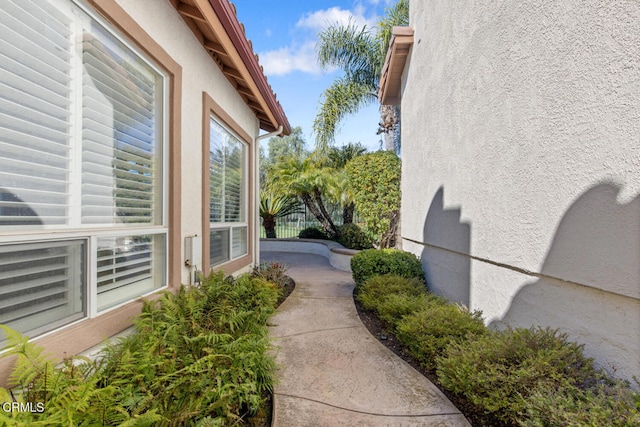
273,207
608,404
360,53
311,180
374,180
198,357
273,272
428,332
500,371
374,262
353,237
393,296
313,232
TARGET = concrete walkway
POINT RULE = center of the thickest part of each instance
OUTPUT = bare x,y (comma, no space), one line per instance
331,371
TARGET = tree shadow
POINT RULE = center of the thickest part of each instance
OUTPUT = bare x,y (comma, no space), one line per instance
589,284
445,257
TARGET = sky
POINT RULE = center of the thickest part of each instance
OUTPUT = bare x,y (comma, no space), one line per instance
284,34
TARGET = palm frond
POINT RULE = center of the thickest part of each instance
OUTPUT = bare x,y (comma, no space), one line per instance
352,48
277,206
342,98
396,15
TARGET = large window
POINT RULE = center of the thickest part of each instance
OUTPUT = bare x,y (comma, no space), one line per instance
81,158
227,195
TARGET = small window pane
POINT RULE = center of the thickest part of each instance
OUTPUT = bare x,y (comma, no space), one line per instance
239,242
41,285
121,133
226,176
128,267
35,107
218,247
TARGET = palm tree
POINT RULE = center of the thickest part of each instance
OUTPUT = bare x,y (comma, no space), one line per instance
337,160
273,207
306,178
360,53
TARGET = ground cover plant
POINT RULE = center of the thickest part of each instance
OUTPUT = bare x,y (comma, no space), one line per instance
533,377
374,262
198,357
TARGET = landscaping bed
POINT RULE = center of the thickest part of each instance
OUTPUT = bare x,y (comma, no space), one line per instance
528,377
198,357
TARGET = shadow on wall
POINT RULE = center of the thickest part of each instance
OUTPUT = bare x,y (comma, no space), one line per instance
590,281
445,257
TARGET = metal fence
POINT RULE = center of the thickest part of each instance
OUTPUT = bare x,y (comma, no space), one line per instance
291,225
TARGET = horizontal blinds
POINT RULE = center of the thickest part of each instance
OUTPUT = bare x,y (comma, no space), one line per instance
226,176
218,247
238,241
35,63
128,267
41,283
121,157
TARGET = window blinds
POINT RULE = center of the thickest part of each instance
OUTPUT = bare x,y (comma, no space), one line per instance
35,63
120,155
41,284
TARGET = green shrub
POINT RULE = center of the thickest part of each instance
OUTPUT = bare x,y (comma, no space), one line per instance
374,179
374,262
313,232
393,297
273,272
353,237
199,357
606,404
428,332
499,371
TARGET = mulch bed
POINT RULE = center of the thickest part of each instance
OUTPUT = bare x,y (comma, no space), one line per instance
264,419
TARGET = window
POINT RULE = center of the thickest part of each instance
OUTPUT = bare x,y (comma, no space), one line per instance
82,133
227,195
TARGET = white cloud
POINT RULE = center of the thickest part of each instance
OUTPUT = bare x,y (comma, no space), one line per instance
288,59
301,55
321,19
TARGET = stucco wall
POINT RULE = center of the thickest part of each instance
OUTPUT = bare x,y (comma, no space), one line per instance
521,164
199,74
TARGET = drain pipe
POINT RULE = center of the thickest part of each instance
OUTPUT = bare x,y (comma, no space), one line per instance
256,156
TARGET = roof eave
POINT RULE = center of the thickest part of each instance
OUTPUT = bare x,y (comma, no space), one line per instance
390,92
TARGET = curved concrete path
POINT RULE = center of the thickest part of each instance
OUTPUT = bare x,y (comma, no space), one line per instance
331,371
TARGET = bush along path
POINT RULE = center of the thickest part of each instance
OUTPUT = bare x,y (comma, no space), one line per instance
516,377
199,357
331,371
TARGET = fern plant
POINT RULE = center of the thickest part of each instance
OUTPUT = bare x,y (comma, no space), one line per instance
199,357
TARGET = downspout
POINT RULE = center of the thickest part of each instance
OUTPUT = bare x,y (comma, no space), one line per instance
256,156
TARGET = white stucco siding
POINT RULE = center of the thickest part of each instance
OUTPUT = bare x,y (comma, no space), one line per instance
199,74
521,163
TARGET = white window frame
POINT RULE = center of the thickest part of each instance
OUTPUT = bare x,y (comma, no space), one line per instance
90,233
215,226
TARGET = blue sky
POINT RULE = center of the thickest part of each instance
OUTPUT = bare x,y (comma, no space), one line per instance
284,33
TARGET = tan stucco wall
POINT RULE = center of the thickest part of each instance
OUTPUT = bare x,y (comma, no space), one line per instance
521,164
199,74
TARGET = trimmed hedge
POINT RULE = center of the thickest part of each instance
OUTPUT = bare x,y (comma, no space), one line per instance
517,377
313,232
499,371
428,332
353,237
376,262
393,297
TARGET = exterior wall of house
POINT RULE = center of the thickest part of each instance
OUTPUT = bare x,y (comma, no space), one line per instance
156,28
200,74
521,165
